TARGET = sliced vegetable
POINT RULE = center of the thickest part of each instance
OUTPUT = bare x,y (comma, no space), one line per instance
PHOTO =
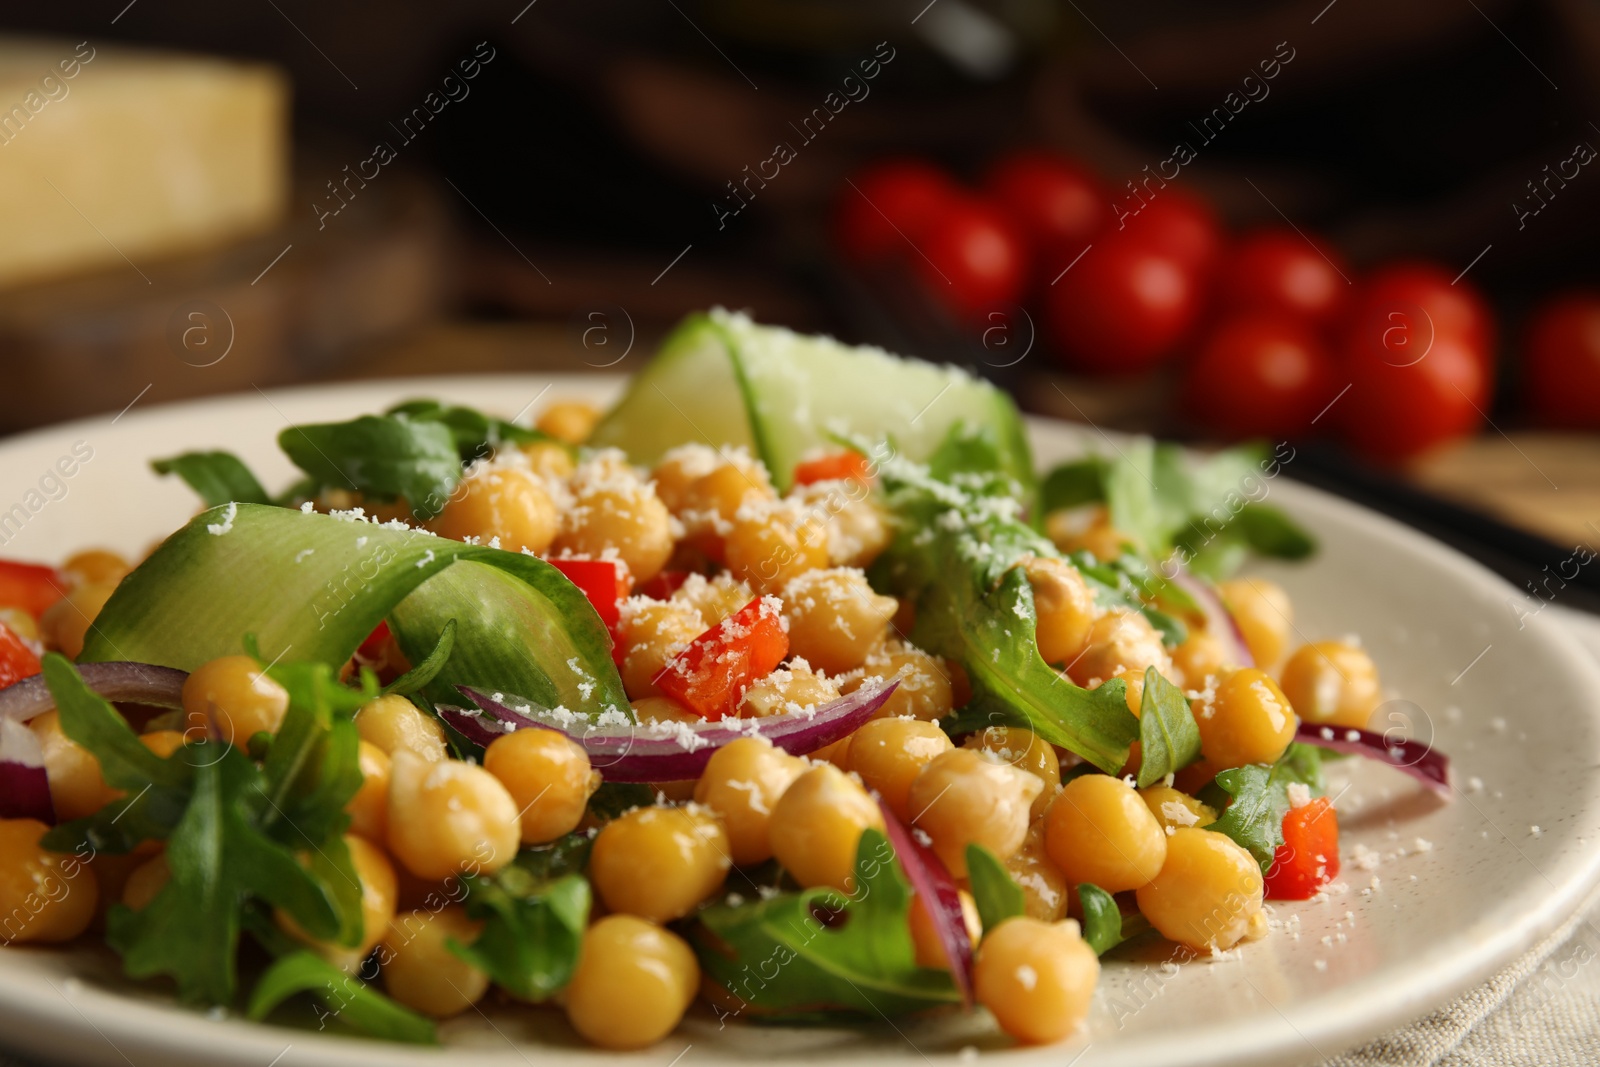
24,783
605,582
835,466
722,379
18,660
346,997
998,896
1424,763
1169,740
389,457
1220,622
534,911
1309,855
1260,799
130,683
30,586
218,477
935,892
711,675
666,752
418,677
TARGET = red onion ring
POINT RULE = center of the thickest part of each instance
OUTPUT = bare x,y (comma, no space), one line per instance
1420,761
118,682
937,892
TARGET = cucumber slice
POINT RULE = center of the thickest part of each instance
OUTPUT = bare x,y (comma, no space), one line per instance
311,587
723,379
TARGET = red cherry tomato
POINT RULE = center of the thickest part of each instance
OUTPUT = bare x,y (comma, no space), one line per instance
1260,374
1122,309
1561,359
884,211
1420,298
1057,205
1408,394
1178,223
1309,855
972,260
1280,270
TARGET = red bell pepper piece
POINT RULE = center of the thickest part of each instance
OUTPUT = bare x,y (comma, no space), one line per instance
605,582
17,660
712,674
30,586
663,585
373,648
1309,855
834,466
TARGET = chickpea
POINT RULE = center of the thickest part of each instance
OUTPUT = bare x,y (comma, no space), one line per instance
1037,978
1135,683
1086,530
742,784
1208,892
663,709
77,788
1063,605
96,566
835,619
714,598
1332,683
1175,808
369,808
888,754
858,526
768,547
549,460
1099,830
716,496
659,863
548,776
379,889
146,882
817,824
1120,640
448,817
163,742
66,623
1246,720
393,724
967,797
44,895
632,984
651,633
508,503
679,468
614,511
234,699
333,499
1045,890
926,690
1264,615
421,972
21,623
1024,750
793,688
570,421
925,939
1199,657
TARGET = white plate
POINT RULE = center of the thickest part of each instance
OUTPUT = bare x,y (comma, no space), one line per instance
1463,887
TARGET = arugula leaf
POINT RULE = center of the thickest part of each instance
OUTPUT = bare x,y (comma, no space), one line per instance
614,798
818,953
1169,739
1067,486
534,911
999,897
385,456
1269,532
476,435
1102,919
348,998
418,677
219,477
1260,799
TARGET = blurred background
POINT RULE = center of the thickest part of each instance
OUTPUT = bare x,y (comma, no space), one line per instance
1365,225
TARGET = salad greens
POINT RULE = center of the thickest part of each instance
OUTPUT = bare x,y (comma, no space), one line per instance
1254,798
1102,919
345,997
998,896
1169,739
219,477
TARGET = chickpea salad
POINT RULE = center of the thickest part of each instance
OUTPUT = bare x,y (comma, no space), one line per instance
783,692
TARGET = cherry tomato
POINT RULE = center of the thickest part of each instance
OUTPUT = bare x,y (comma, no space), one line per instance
1561,359
1123,308
1309,855
884,211
972,260
1057,205
1260,374
1178,223
1408,394
1280,270
1420,298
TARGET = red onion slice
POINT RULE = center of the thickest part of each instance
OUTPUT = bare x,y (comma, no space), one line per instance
130,683
24,785
1421,761
1219,620
937,892
667,752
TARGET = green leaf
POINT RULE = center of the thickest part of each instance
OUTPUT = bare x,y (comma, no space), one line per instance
818,953
1169,740
533,925
476,435
999,897
418,677
384,456
219,477
614,798
1270,532
346,997
1260,799
1102,919
1072,484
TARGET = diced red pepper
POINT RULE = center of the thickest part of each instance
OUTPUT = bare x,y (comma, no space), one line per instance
663,585
832,467
373,648
606,582
712,674
30,586
1309,855
17,660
